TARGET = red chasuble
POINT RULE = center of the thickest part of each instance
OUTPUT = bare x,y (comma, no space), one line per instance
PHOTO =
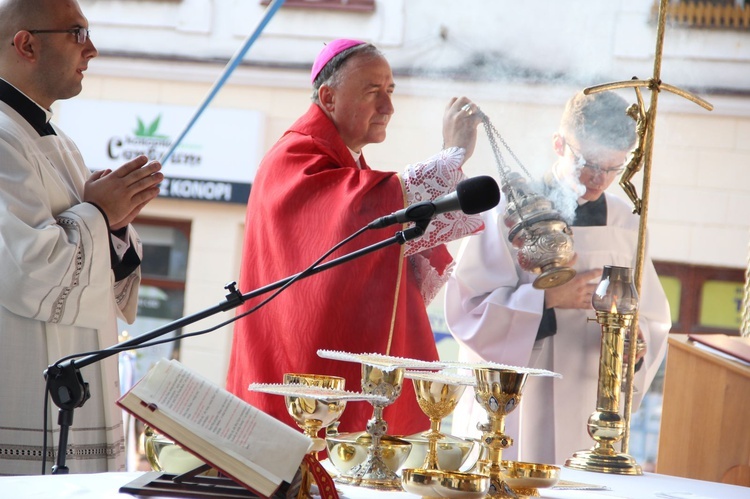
308,195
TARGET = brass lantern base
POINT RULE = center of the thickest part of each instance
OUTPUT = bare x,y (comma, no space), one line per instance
615,463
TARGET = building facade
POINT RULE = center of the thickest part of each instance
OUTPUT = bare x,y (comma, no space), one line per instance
519,61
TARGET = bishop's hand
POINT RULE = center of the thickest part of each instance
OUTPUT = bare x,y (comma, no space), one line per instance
460,122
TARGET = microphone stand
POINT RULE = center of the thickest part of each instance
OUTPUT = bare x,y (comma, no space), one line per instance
69,391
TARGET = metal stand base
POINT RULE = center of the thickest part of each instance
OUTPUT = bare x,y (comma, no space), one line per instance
373,474
500,490
616,463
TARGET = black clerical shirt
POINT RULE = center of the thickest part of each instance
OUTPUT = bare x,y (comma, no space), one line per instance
24,106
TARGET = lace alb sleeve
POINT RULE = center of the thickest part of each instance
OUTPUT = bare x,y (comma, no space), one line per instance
431,179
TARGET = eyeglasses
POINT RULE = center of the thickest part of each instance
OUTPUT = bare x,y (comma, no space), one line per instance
592,168
82,34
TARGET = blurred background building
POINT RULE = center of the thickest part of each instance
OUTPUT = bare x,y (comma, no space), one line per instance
519,61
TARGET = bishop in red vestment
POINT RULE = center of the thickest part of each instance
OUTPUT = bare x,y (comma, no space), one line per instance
312,190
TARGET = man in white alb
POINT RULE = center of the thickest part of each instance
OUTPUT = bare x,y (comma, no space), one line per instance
69,258
497,315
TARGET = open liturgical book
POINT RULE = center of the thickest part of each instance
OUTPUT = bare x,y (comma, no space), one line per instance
244,443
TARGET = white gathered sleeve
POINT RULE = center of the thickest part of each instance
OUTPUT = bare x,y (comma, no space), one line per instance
57,268
491,306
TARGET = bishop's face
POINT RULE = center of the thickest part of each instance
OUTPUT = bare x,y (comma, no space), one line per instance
360,104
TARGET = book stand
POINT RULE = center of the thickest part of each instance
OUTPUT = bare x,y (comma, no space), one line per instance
155,483
192,485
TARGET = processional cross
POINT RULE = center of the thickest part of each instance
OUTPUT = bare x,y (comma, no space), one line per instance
642,155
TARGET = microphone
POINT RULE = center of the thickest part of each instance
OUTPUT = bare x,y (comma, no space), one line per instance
473,195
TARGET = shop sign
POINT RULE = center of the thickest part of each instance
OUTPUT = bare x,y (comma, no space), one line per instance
216,161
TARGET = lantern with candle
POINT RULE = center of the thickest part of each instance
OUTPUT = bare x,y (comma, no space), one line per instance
616,302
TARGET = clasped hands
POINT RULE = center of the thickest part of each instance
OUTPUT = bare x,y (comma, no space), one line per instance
122,193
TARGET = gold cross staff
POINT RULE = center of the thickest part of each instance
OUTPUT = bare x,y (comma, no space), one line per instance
645,122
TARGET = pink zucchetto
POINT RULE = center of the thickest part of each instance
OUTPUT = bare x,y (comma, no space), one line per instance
330,51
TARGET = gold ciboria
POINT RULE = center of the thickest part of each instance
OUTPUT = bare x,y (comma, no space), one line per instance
382,376
315,402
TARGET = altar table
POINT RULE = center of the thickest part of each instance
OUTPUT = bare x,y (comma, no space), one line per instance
648,486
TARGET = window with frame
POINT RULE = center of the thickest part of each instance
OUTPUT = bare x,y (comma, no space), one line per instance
714,14
346,5
703,299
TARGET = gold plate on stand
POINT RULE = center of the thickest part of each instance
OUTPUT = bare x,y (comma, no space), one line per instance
451,484
526,478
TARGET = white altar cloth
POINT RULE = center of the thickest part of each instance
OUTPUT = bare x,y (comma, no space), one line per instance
648,486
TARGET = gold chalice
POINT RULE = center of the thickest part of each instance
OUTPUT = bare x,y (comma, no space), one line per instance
314,401
373,472
437,396
498,391
313,414
314,404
